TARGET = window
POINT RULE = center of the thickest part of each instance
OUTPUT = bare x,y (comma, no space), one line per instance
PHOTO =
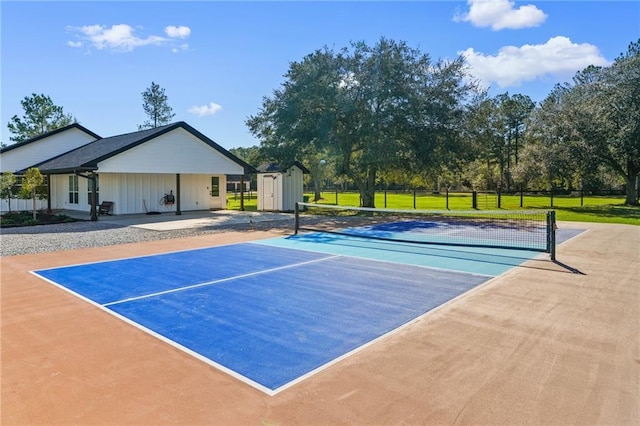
90,190
73,189
215,186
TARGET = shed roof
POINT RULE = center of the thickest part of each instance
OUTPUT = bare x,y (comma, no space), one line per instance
88,156
275,167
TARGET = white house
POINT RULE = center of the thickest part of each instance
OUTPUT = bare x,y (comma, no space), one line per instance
278,189
169,168
22,155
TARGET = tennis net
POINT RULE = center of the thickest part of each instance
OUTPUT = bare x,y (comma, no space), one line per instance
511,229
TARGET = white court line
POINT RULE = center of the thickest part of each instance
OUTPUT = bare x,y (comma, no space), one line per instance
159,336
142,256
189,287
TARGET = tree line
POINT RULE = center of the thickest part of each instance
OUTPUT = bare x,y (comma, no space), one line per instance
390,113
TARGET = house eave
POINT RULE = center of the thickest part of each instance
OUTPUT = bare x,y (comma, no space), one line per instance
68,170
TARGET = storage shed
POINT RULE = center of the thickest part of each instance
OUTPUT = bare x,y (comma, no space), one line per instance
278,189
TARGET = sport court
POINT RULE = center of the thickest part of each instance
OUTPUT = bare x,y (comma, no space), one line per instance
275,311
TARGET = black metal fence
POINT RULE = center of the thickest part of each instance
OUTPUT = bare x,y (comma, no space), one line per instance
482,200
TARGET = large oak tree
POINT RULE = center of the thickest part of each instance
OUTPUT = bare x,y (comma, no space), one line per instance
370,108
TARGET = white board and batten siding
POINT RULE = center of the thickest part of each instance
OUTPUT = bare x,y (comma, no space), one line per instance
43,149
279,191
144,192
35,152
175,152
134,193
142,175
293,188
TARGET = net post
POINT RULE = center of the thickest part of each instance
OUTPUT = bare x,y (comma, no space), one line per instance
551,234
296,219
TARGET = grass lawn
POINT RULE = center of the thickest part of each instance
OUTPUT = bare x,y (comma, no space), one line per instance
250,202
594,209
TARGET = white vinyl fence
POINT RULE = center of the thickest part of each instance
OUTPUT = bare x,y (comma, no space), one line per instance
21,205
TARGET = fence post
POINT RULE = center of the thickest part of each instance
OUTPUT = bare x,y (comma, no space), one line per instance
582,197
499,198
447,197
474,200
414,198
552,196
521,197
337,196
385,197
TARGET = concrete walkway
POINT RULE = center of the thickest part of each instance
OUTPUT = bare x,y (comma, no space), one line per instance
187,220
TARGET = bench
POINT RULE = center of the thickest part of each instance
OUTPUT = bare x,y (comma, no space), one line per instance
105,207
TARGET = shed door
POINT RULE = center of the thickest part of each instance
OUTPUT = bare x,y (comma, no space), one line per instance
269,192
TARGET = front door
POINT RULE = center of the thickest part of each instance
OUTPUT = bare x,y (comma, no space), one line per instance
215,199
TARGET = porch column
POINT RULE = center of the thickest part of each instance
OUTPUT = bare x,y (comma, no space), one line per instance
178,212
48,193
94,195
241,193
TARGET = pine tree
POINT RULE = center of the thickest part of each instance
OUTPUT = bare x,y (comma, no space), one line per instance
41,115
156,106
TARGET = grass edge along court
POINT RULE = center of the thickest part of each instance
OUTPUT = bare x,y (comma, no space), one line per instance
599,209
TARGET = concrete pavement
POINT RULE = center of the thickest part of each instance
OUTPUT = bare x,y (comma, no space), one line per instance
187,220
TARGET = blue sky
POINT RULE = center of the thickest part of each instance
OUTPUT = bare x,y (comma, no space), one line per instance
217,60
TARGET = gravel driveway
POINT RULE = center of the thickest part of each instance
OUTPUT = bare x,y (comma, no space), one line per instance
75,235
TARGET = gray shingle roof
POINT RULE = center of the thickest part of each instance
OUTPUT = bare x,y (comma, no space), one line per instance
276,167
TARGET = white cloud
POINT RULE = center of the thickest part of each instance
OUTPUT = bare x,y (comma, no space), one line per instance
118,38
184,46
74,43
204,110
177,32
558,57
501,14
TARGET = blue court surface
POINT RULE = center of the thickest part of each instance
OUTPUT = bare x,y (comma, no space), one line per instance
273,312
